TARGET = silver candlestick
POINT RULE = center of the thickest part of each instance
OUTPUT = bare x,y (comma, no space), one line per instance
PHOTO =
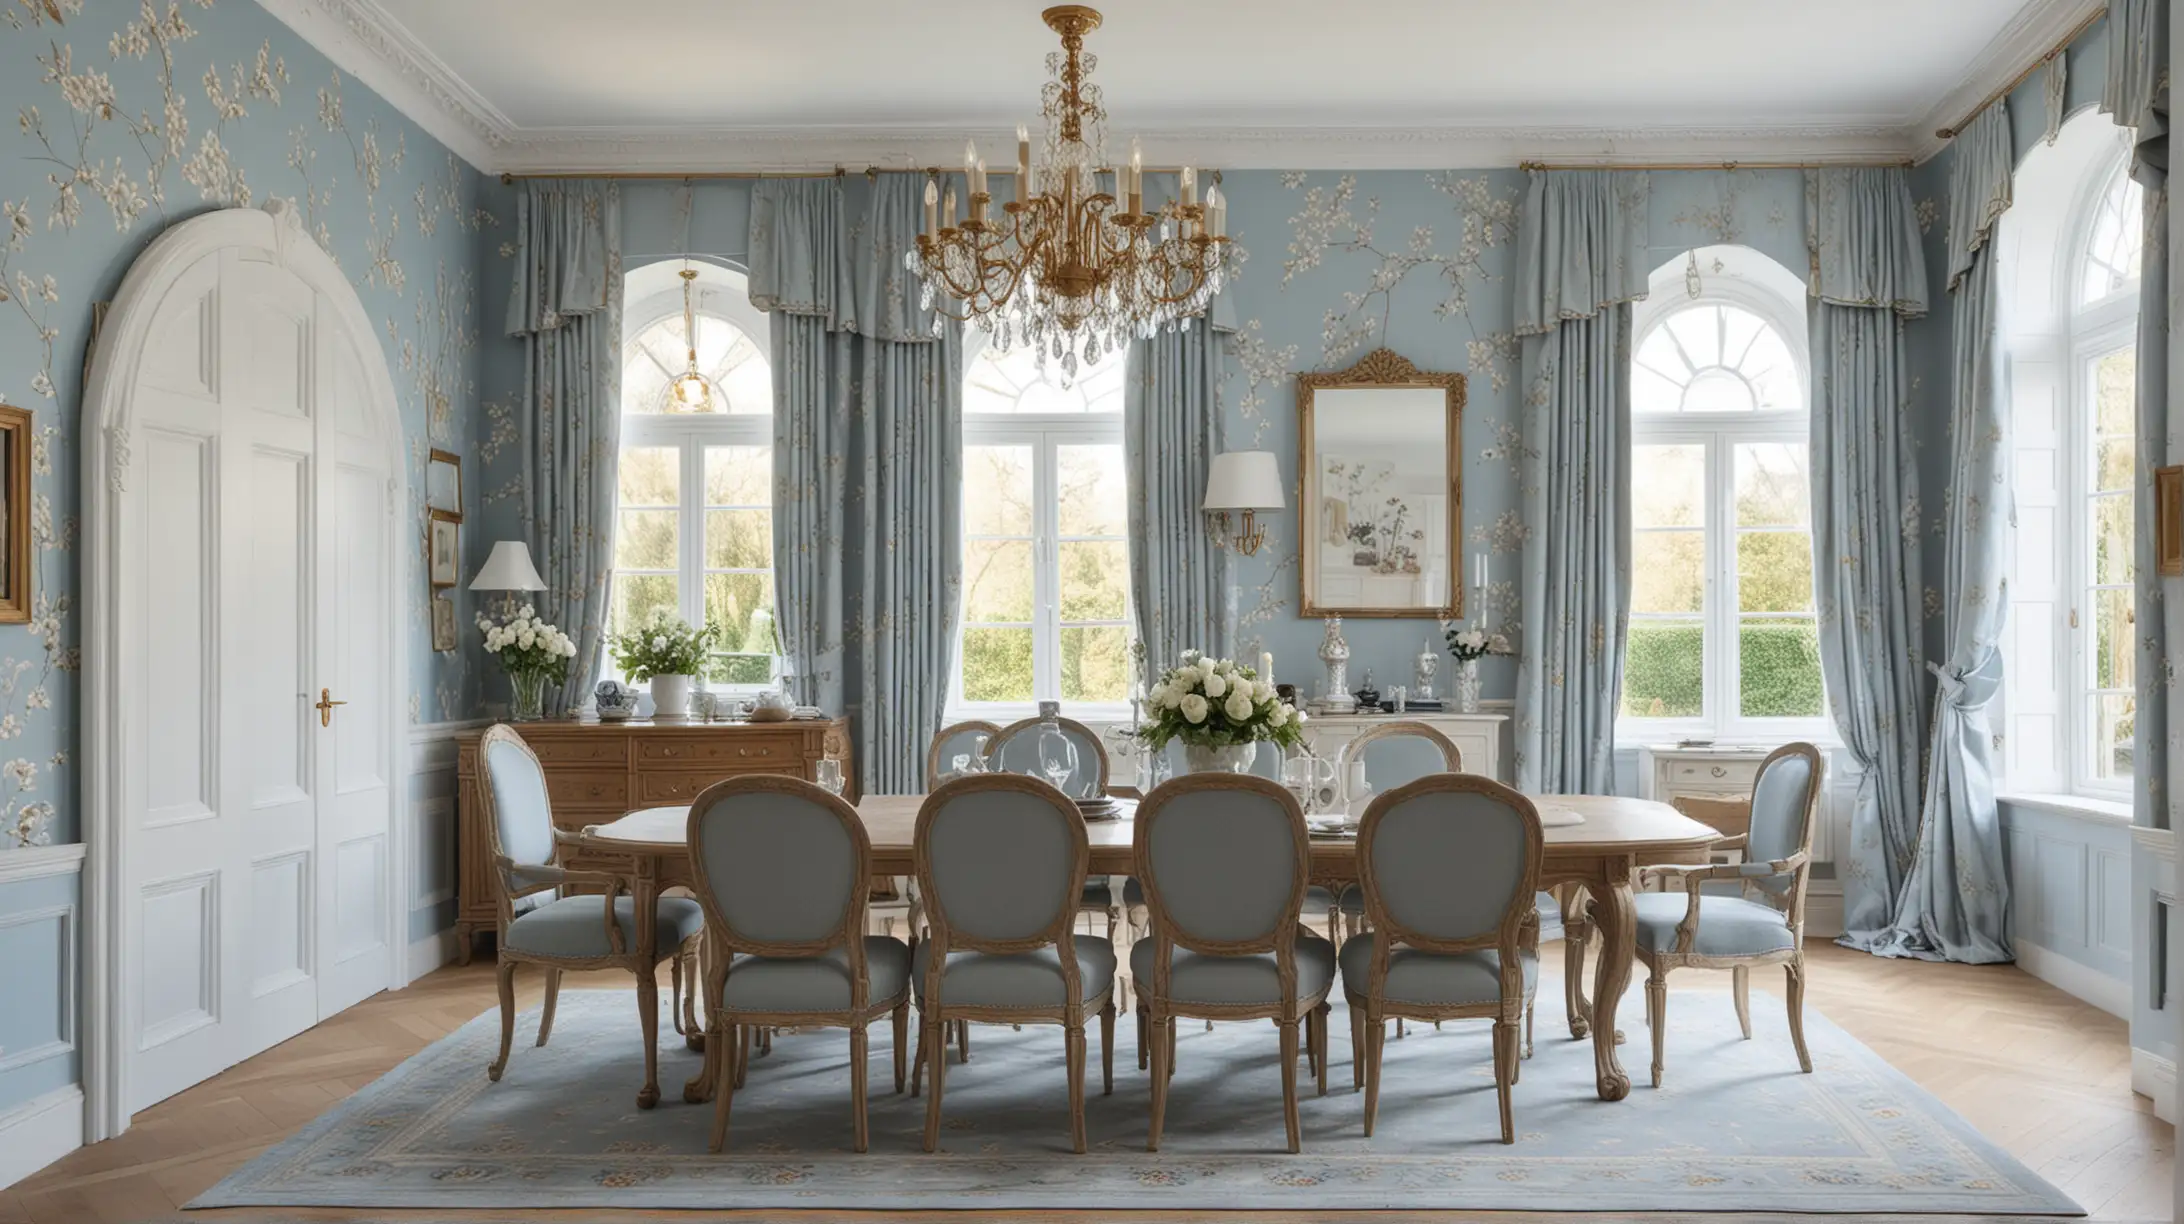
1335,653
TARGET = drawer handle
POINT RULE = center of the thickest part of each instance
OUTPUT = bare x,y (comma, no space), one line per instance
1719,772
743,752
669,751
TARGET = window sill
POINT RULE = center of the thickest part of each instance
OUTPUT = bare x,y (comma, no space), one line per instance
1089,715
2080,807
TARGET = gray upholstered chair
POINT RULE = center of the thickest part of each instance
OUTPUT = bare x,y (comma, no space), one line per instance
540,926
1223,859
1409,750
781,867
1001,861
1015,749
1450,867
1691,926
974,737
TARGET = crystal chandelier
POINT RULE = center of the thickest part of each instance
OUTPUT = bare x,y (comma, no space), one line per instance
691,391
1070,267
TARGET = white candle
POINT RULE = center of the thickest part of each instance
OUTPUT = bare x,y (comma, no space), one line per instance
1023,163
1137,177
1216,213
978,207
947,207
1190,186
1266,666
932,210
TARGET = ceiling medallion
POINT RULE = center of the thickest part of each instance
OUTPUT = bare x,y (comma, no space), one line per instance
1061,268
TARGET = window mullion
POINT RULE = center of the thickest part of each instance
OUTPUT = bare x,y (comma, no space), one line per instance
690,586
1722,590
1046,633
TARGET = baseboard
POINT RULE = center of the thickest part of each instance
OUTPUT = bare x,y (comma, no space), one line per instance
2155,1077
38,1132
1823,914
429,953
2110,994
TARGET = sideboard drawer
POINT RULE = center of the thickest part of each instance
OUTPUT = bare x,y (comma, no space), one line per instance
581,749
1714,773
587,788
742,750
680,786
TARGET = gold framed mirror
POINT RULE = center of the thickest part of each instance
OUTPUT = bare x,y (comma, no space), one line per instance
1379,456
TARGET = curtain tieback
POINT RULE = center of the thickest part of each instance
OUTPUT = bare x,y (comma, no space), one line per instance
1950,684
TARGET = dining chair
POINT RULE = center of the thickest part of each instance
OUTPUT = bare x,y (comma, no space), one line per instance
1001,861
1449,866
780,866
953,740
538,925
1432,753
1692,926
1015,749
1223,860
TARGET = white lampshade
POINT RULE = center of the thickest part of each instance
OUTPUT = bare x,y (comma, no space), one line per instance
509,568
1244,480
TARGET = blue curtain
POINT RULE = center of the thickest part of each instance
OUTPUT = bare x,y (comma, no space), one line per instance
1581,242
565,304
1171,430
1954,903
868,444
1868,276
2137,94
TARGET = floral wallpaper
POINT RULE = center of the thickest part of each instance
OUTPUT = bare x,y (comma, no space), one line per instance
130,117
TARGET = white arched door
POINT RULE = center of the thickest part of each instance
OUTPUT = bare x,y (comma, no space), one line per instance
244,651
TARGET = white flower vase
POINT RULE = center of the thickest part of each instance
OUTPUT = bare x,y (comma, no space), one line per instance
670,698
1467,686
1228,758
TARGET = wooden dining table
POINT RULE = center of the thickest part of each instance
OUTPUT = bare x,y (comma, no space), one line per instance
1598,842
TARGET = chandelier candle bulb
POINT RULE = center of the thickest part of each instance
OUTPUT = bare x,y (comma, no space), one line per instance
1023,164
948,209
1190,187
932,210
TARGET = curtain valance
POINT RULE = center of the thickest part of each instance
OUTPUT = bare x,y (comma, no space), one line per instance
833,248
2138,60
1863,232
1981,178
567,234
1581,246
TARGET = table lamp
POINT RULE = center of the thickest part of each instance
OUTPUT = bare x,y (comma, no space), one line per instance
508,570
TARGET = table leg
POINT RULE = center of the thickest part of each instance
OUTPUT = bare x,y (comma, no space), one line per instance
1614,909
1577,934
645,898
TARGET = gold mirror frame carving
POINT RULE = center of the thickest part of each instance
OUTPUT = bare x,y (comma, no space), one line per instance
1381,368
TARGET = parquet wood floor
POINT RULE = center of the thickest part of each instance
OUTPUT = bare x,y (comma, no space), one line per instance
2044,1075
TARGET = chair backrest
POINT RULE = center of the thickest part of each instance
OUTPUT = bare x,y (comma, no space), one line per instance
1224,861
1001,862
1407,751
1785,794
951,741
519,819
1015,749
1450,863
780,866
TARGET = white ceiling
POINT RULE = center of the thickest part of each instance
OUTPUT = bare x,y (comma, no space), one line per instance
644,82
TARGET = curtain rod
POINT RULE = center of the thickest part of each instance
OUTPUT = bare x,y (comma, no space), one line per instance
1950,133
675,176
1719,165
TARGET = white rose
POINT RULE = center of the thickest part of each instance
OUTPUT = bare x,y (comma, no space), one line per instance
568,648
1194,708
526,639
1172,698
1216,685
1278,716
659,641
1239,706
527,610
1262,690
1295,713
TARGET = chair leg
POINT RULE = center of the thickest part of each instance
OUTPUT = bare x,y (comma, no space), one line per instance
725,1081
506,972
1505,1074
648,1023
1742,977
1657,1018
1144,1036
963,1040
1376,1040
859,1057
546,1013
1172,1031
1163,1053
674,988
1107,1047
1320,1016
1357,1045
692,980
936,1045
1073,1059
1796,973
1290,1120
1531,1010
902,1041
746,1037
917,1064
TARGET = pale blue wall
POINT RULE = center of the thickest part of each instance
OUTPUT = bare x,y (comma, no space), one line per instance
40,933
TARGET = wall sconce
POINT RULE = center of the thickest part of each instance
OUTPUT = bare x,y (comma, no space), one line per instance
1248,481
508,570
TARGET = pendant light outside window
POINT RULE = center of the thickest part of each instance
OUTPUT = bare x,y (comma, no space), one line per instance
691,391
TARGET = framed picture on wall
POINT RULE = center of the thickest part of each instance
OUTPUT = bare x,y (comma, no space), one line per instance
443,550
2169,520
444,483
443,623
15,444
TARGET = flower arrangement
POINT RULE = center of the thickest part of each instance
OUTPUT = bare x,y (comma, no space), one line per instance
531,652
1218,703
1471,645
666,645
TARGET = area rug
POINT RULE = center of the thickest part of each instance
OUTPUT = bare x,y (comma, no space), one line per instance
1735,1128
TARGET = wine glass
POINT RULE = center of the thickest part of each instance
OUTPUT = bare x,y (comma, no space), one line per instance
1057,758
1297,777
830,775
977,764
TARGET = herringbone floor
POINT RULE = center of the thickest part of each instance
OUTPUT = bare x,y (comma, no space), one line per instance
2039,1072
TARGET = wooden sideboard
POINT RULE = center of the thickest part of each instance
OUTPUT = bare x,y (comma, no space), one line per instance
598,771
1478,736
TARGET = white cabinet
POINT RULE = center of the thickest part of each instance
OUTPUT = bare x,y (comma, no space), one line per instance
1479,736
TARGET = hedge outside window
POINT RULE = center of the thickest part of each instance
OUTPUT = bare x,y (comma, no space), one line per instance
1046,566
1723,637
694,524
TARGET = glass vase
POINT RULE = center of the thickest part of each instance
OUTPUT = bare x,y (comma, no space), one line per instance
1467,686
529,700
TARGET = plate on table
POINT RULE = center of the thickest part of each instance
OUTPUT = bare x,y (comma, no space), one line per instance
1106,807
1552,816
1330,826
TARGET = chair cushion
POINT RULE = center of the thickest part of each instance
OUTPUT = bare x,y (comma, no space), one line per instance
815,983
1198,978
1728,926
1022,979
1431,978
573,928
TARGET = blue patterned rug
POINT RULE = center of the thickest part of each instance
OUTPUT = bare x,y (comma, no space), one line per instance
1735,1128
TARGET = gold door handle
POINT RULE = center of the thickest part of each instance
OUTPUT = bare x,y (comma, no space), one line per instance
325,707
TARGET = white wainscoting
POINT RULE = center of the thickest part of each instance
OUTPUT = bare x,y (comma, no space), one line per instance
40,1131
429,806
2153,922
42,1119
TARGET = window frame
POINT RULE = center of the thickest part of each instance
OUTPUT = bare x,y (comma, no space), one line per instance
2096,331
722,294
1719,434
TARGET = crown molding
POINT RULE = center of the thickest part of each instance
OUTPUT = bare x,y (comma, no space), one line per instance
363,41
2032,33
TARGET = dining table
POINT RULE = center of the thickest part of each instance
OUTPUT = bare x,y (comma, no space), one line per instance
1595,846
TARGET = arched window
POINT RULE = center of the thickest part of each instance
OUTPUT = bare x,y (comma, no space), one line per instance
2115,226
694,518
1723,635
1046,562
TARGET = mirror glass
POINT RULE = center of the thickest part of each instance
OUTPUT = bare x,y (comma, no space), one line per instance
1381,507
